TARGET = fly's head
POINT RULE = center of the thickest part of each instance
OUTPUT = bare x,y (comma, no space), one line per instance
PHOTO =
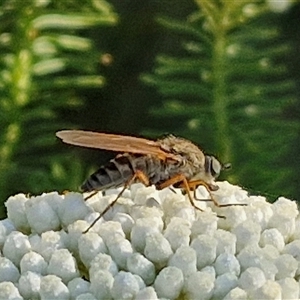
213,169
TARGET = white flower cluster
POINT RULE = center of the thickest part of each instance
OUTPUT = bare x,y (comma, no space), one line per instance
150,245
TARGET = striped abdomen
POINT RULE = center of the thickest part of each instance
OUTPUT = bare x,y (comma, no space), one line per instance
120,169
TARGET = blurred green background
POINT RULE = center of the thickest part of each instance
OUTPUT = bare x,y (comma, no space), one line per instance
224,74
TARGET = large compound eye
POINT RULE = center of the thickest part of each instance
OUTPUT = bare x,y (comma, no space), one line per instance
212,166
215,167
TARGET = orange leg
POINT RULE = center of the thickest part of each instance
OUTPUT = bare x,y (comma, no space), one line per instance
193,186
185,185
137,175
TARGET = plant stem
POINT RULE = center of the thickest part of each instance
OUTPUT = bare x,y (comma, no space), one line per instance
223,140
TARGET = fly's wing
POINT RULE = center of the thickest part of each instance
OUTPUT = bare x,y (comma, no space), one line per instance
114,142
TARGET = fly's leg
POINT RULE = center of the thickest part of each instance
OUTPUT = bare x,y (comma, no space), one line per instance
138,175
190,186
193,186
91,195
184,184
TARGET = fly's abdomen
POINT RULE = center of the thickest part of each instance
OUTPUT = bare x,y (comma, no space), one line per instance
116,173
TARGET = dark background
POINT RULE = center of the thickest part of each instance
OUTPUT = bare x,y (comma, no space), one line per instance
125,53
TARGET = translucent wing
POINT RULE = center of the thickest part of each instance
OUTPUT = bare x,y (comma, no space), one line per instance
114,142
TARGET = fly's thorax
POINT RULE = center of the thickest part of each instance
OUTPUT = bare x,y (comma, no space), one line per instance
188,154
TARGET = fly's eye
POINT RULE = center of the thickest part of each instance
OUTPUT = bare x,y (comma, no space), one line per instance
215,167
212,166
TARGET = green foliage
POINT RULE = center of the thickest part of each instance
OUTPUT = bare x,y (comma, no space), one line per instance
45,63
228,89
223,79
